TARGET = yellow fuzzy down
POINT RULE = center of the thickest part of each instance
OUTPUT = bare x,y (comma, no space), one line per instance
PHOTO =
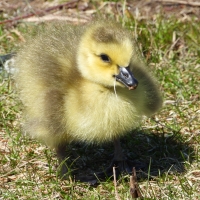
68,90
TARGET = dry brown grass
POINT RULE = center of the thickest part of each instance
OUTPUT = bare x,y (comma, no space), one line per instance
168,143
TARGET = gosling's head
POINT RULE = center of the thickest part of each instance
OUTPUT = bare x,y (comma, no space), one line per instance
105,54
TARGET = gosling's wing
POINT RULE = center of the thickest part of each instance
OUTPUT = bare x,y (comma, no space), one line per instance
46,68
147,92
49,58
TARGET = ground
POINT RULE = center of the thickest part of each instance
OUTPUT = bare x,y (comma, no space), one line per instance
168,143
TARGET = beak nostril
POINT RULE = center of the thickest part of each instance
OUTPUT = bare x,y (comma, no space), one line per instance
125,75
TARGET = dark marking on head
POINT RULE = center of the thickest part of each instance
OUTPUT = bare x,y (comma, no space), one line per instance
110,34
105,35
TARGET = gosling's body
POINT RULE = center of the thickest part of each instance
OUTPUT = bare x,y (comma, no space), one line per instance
69,87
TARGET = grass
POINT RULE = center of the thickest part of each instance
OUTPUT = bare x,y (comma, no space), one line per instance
168,143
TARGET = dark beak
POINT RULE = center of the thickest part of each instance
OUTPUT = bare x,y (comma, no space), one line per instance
126,77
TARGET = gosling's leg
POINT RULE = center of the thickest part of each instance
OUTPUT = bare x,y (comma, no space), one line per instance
119,160
123,166
62,158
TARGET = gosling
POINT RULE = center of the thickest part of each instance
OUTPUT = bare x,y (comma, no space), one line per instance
84,83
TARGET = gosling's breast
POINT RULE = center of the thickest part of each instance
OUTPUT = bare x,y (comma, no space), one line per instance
93,114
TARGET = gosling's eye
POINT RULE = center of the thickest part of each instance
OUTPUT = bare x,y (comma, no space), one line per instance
105,58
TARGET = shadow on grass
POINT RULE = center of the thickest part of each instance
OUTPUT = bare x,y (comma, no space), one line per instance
158,153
